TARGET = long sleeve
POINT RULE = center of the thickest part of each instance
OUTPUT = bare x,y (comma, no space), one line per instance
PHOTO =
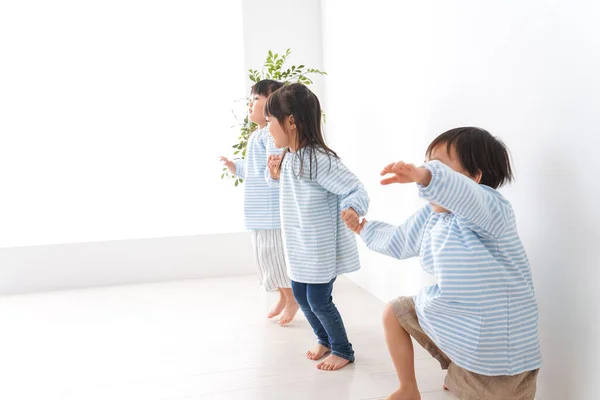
270,181
484,208
261,202
335,177
400,242
240,168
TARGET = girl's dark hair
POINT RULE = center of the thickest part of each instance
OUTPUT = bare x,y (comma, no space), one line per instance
478,150
265,87
298,101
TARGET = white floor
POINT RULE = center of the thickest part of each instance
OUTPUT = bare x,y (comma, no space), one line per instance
190,340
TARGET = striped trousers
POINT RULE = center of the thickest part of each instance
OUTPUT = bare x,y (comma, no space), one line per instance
270,258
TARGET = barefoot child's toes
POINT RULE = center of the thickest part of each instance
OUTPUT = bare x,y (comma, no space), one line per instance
317,352
289,313
274,312
332,363
277,309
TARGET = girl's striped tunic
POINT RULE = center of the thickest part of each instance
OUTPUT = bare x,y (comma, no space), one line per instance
318,244
261,201
482,312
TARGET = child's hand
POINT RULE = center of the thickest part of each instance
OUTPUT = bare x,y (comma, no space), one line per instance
273,164
229,164
352,220
405,173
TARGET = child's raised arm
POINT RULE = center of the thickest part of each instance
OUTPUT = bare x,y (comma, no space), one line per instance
400,242
486,210
273,170
236,167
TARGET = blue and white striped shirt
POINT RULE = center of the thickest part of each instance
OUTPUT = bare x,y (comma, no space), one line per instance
482,312
318,244
261,201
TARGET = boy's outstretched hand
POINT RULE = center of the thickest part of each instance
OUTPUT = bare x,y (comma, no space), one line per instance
229,164
273,163
352,220
405,173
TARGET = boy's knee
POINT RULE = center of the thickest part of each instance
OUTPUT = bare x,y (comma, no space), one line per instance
389,315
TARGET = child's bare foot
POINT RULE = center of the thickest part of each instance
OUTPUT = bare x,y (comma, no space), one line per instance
278,307
405,393
289,313
317,352
332,363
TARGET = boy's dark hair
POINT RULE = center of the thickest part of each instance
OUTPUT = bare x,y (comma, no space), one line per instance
478,150
297,100
265,87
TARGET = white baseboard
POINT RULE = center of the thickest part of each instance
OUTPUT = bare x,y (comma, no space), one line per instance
70,266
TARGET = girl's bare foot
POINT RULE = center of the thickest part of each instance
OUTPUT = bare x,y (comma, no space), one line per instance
278,307
405,393
317,352
289,313
332,363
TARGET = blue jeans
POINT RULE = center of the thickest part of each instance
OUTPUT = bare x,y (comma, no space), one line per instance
316,303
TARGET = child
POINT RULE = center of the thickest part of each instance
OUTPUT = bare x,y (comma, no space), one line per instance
480,320
316,192
261,205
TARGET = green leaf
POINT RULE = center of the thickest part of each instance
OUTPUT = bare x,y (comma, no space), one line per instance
236,182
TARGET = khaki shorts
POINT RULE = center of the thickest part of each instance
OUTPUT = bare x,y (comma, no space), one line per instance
465,385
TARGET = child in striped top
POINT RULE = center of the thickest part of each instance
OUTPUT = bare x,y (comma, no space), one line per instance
261,205
480,320
317,194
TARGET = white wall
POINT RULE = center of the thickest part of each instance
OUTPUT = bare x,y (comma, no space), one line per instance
278,25
77,265
401,73
113,118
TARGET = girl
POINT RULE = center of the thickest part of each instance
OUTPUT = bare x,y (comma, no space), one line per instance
480,320
261,205
317,191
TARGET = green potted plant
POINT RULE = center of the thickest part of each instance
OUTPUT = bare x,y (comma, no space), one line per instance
274,68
